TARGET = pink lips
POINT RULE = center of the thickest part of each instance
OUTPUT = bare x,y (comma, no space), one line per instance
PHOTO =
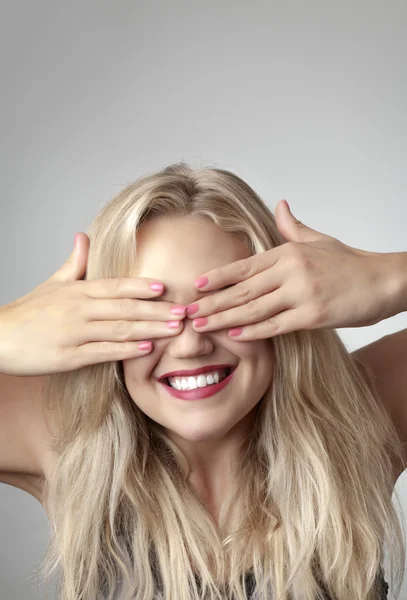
198,393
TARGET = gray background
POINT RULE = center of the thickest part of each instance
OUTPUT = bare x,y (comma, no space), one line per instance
305,100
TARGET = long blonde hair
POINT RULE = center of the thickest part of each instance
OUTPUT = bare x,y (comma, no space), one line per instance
312,506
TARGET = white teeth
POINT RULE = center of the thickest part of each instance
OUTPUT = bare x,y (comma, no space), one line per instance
191,383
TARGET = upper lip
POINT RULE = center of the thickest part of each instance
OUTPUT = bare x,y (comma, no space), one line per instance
193,372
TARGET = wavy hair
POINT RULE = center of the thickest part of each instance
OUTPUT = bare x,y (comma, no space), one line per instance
312,508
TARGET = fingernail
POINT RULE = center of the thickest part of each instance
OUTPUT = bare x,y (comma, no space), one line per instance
178,310
172,324
235,331
192,309
201,282
145,346
200,322
156,286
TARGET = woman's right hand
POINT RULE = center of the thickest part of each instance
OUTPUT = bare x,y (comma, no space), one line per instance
67,323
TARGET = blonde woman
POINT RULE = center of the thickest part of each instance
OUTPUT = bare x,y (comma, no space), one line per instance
245,453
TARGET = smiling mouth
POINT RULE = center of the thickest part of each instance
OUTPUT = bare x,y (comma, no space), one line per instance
166,380
199,393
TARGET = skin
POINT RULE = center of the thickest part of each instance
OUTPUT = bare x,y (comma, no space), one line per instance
210,432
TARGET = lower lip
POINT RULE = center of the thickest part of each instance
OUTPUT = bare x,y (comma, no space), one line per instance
199,393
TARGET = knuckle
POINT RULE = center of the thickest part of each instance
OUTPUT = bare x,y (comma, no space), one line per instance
307,263
253,307
77,359
293,249
317,289
303,264
243,294
303,284
245,268
272,324
77,296
75,315
72,291
110,286
116,283
122,330
106,348
297,254
320,313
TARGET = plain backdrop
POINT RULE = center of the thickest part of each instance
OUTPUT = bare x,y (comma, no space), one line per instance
304,100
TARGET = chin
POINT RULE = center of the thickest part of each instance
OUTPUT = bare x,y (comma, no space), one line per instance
200,434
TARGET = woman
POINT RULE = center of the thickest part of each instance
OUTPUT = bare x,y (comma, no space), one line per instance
277,481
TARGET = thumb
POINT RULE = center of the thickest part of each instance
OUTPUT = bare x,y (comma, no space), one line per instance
292,229
74,267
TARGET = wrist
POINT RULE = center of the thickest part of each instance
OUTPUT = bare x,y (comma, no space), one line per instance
396,289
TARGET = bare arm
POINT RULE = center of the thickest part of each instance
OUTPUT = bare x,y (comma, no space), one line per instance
387,359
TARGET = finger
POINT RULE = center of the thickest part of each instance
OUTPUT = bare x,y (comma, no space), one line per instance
101,352
120,287
126,331
74,267
239,295
254,311
128,309
240,269
287,321
292,229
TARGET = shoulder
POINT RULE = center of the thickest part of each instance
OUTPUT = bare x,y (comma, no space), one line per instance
26,454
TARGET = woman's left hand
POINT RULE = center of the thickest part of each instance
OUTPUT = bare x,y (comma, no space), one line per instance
313,281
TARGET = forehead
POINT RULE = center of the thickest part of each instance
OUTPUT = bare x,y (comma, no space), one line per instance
168,244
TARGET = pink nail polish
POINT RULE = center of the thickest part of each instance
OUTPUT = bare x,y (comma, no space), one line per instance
200,322
156,287
192,309
172,324
178,310
201,282
145,346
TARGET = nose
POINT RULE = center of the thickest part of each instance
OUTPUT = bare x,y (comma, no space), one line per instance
189,342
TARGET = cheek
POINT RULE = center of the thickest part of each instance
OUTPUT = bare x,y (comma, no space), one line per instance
137,371
255,349
129,370
141,363
137,379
